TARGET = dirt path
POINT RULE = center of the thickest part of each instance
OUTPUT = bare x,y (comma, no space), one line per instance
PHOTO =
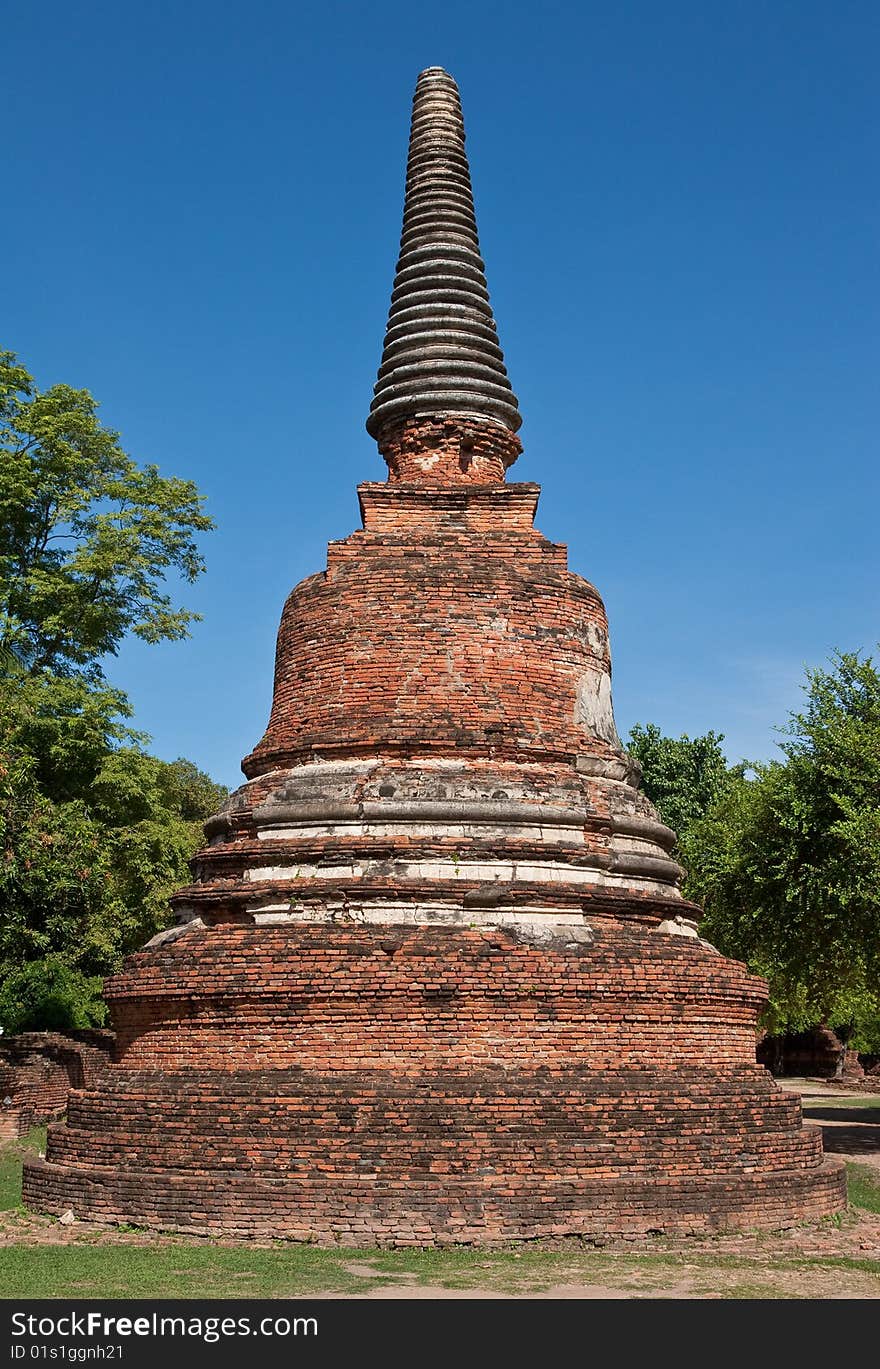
849,1120
632,1278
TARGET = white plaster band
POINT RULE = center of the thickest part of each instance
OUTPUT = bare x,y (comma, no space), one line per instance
555,836
468,872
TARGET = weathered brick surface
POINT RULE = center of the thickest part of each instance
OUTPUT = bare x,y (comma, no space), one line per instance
337,997
442,1210
459,450
38,1070
503,644
352,1083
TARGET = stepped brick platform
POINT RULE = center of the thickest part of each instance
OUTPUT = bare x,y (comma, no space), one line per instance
436,1084
434,980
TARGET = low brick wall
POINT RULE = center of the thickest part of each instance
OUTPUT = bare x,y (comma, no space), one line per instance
340,997
396,1211
38,1070
818,1053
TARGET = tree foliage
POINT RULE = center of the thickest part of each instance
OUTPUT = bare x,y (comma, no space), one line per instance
49,995
94,832
90,849
787,863
87,537
683,777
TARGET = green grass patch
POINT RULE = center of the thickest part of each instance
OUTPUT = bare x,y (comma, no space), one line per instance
129,1271
180,1268
82,1270
12,1153
867,1102
863,1186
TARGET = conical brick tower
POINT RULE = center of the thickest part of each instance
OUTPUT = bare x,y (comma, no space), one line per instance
435,980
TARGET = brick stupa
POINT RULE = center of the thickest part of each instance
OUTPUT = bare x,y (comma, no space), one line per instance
435,980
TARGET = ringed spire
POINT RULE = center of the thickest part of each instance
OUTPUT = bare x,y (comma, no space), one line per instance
441,357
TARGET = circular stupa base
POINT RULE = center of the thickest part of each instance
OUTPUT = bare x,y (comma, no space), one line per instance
362,1084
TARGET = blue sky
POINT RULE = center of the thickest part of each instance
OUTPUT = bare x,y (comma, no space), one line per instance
678,208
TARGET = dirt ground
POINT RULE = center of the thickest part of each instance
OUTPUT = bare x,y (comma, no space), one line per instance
836,1258
850,1121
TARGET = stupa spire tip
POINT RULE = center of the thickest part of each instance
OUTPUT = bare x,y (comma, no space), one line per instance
441,362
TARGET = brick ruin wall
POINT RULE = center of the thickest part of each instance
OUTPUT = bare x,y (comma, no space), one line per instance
38,1070
818,1053
449,621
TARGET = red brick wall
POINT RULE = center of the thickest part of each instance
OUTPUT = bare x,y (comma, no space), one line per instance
448,622
358,1084
38,1070
338,997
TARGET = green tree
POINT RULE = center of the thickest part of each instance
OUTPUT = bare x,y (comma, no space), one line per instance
54,873
48,995
787,865
85,878
94,833
87,537
152,813
66,724
683,777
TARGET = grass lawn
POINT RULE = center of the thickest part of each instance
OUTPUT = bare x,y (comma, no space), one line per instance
863,1186
93,1263
852,1102
188,1271
11,1155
